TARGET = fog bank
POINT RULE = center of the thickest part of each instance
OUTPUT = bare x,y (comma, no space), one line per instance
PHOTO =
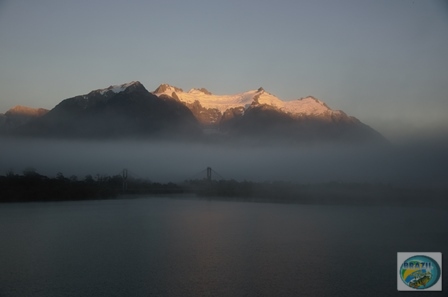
411,163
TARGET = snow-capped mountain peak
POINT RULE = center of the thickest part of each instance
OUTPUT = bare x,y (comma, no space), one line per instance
167,89
118,88
309,106
201,90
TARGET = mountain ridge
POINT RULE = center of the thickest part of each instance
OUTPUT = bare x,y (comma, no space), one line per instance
130,109
305,105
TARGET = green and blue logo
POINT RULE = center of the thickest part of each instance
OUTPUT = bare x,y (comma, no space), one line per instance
420,272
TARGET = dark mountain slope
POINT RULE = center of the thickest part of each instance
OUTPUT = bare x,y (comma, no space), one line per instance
128,110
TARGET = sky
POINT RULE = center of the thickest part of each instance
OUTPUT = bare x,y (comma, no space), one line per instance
384,62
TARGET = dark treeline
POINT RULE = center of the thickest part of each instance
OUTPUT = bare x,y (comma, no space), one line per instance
32,186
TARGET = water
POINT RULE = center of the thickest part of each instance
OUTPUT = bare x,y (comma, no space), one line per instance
188,247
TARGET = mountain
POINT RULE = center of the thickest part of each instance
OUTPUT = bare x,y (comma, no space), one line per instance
258,114
18,116
126,110
130,110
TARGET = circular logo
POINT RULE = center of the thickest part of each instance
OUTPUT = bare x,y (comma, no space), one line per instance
420,272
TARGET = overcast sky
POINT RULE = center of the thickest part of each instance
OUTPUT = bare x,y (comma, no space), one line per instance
383,61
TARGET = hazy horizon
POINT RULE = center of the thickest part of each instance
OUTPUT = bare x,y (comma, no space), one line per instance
417,163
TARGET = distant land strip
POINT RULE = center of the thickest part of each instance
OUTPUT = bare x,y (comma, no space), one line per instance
34,187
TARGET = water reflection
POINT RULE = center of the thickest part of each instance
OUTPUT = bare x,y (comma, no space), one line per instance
175,247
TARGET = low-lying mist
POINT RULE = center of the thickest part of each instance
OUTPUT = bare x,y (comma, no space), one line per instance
411,164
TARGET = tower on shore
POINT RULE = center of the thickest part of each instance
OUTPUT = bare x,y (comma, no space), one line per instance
209,173
125,179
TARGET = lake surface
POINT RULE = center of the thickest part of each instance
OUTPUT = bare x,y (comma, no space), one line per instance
189,247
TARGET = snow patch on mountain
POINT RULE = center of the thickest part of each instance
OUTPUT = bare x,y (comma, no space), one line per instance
303,106
308,106
116,88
